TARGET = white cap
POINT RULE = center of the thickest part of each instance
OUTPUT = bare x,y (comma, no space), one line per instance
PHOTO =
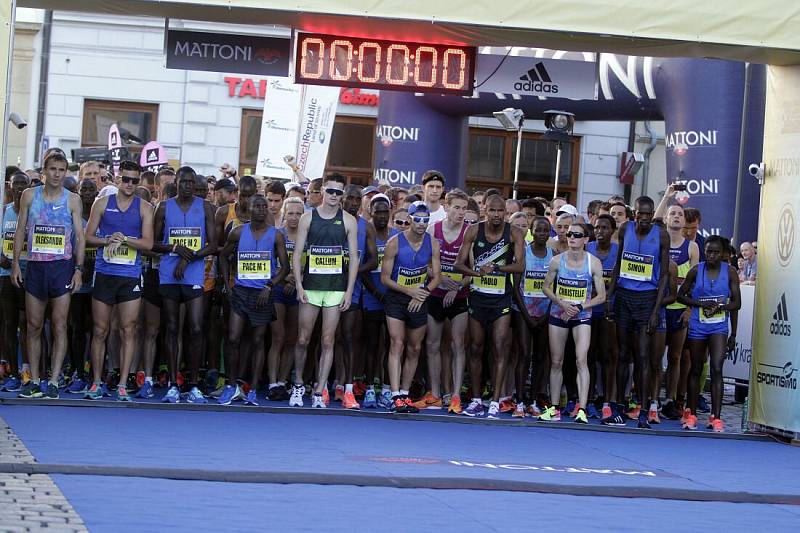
568,209
108,190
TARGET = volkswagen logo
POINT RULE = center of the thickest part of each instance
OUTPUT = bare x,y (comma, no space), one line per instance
785,235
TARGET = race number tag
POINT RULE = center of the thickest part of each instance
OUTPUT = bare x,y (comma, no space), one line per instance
124,255
325,260
636,267
381,250
190,238
607,273
573,291
412,277
534,283
8,244
717,318
254,265
450,272
49,239
490,284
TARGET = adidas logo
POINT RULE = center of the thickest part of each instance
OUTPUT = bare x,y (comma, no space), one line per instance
537,80
136,289
780,320
152,155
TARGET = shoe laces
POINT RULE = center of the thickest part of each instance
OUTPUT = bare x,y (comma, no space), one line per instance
474,404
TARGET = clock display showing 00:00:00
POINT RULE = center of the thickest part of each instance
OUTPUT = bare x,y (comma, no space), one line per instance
391,65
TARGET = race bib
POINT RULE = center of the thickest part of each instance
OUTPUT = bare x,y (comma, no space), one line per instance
636,267
124,255
90,254
607,274
347,257
381,250
8,244
255,265
534,283
412,277
717,318
573,291
490,284
325,260
190,238
450,272
49,239
289,253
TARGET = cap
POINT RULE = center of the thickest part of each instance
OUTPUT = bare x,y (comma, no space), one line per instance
108,190
568,209
369,190
224,183
378,198
419,207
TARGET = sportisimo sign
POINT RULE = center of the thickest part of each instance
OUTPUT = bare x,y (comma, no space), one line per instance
227,52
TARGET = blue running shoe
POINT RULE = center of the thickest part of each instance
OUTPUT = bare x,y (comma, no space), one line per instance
475,408
146,391
251,398
11,384
702,404
95,392
77,386
567,411
385,399
370,400
591,411
173,395
122,395
228,395
195,396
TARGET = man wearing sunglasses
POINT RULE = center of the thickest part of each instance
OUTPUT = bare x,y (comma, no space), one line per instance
322,282
119,226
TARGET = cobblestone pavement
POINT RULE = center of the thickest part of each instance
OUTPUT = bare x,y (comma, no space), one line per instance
31,502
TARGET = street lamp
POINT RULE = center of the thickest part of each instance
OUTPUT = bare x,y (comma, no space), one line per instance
559,126
512,119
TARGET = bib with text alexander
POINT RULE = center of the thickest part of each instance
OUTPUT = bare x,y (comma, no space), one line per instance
534,283
381,250
450,272
717,318
573,291
412,277
124,255
325,260
190,238
636,267
254,265
49,239
490,284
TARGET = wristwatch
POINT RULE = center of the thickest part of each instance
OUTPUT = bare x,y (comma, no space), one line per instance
79,268
580,307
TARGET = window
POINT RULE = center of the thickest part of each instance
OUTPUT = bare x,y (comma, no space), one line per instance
138,122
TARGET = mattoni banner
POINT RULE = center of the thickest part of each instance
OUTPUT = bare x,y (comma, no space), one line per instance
774,395
536,76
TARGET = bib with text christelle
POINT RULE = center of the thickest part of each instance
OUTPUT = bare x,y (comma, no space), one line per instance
636,267
124,255
412,277
190,238
718,317
254,265
49,239
534,283
573,291
490,284
325,260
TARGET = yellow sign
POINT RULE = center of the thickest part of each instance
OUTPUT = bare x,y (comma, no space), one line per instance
636,267
325,260
191,238
49,239
254,265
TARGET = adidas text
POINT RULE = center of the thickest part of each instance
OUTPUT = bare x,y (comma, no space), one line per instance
536,87
780,324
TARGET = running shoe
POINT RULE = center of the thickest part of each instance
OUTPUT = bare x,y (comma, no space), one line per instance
475,408
580,417
398,405
570,408
702,404
455,405
338,394
326,396
216,393
710,424
718,426
11,384
251,398
296,399
591,411
140,378
633,413
145,391
95,392
689,422
349,401
26,375
446,398
429,401
62,382
179,380
606,413
173,395
195,396
228,395
669,411
534,411
686,414
5,368
210,381
616,420
507,405
78,386
359,388
272,393
385,399
410,407
642,422
370,401
574,411
494,410
30,390
122,394
51,391
552,414
519,411
652,414
318,402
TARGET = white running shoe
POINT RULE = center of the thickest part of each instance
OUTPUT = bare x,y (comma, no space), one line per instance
318,402
296,399
494,410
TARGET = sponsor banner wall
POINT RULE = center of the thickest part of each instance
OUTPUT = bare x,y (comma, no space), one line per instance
737,363
534,76
775,399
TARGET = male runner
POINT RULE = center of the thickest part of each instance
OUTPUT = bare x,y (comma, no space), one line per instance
50,219
184,235
119,226
321,284
433,189
315,196
495,250
276,193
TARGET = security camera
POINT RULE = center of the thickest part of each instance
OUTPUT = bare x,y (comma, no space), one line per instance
757,171
17,120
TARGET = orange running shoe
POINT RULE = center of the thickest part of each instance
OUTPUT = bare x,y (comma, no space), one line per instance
718,426
686,414
519,411
179,380
534,410
652,416
710,424
338,394
455,405
429,401
140,378
507,405
326,396
690,421
349,401
574,412
359,388
633,414
606,413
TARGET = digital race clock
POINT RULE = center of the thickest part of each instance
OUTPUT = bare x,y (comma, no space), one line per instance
388,65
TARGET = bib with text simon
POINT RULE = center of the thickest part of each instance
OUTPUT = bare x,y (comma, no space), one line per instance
124,255
490,284
49,239
636,267
412,277
325,260
534,283
717,318
190,238
573,291
254,265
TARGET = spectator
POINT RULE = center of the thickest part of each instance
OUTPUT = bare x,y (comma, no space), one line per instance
748,274
693,218
592,210
512,206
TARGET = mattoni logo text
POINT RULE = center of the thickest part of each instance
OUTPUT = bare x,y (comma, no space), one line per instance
692,138
780,324
536,80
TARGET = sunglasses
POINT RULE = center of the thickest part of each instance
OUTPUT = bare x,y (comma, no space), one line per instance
402,222
575,235
129,179
421,220
333,191
317,191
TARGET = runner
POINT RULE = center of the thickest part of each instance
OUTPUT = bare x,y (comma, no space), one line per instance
49,218
497,250
447,307
184,235
568,284
658,343
639,279
558,242
321,283
433,189
410,260
125,226
714,287
276,193
259,249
